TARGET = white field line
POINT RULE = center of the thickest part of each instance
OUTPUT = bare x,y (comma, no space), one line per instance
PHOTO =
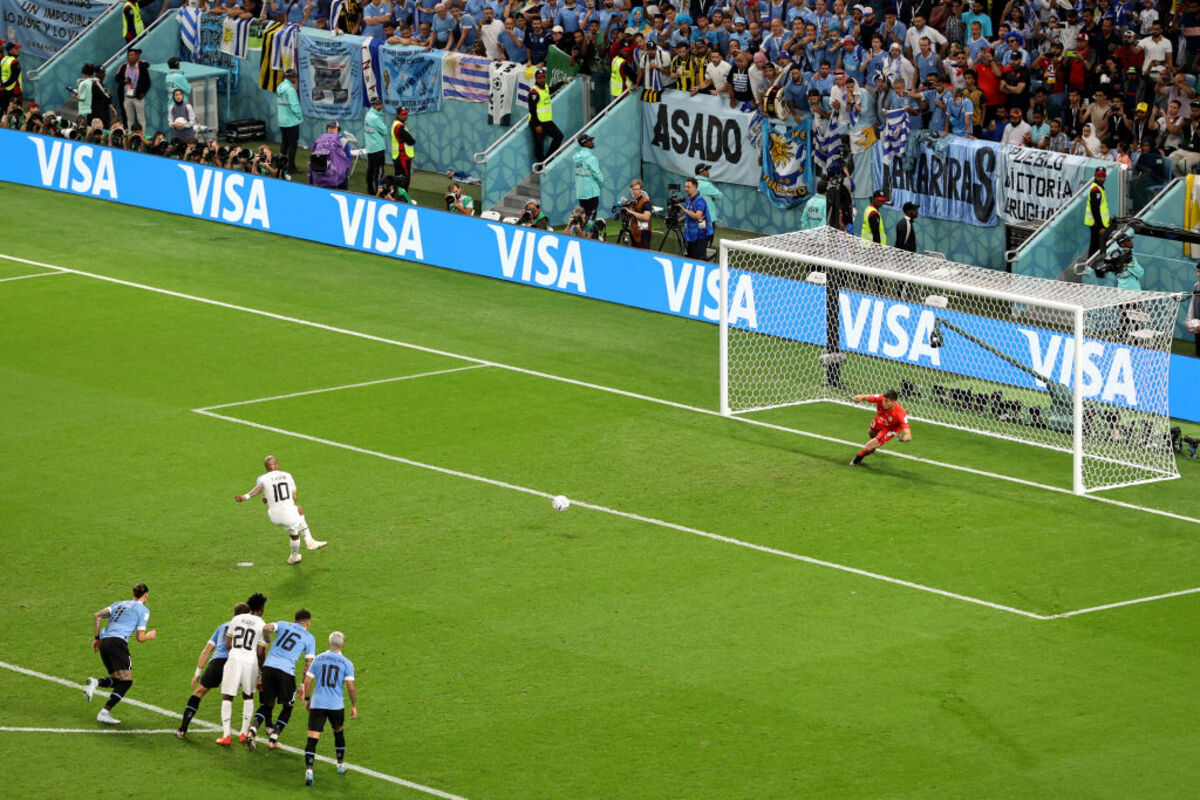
127,732
599,387
610,390
209,727
1134,602
346,386
34,275
625,514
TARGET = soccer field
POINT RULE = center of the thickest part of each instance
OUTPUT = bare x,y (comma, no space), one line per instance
726,611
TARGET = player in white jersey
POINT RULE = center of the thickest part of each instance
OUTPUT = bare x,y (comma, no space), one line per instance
246,637
278,490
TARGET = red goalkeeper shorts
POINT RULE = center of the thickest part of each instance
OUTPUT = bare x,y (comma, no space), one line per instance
881,435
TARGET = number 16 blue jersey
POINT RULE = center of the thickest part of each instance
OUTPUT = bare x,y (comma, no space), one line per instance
290,639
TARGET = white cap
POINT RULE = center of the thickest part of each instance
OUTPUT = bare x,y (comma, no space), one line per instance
557,29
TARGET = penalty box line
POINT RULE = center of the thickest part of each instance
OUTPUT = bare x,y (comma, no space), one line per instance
598,387
209,727
127,732
625,514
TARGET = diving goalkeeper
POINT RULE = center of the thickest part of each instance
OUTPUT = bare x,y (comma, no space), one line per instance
890,419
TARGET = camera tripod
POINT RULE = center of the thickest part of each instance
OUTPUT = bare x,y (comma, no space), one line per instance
673,230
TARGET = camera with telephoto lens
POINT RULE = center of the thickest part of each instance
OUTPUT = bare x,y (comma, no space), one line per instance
161,148
1115,262
117,138
1192,443
244,154
675,201
622,206
136,142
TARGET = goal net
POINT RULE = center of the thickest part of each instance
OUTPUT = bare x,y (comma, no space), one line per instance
820,315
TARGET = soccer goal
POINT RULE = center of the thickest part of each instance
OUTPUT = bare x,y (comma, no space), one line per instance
820,315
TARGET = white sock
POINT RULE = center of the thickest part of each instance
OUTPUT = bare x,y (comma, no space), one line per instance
247,714
308,537
226,715
295,545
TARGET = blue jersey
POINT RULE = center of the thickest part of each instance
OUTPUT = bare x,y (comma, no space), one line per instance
125,616
329,671
221,649
291,638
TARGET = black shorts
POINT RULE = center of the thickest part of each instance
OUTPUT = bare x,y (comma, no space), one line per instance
211,678
317,717
114,652
277,687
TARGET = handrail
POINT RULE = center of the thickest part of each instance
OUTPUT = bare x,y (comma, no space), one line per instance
540,166
1010,255
481,158
119,56
37,71
1166,188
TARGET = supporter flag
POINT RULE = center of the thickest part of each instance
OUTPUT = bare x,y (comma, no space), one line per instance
189,29
335,14
370,67
523,83
235,39
268,77
827,146
896,124
412,79
503,75
465,77
787,175
283,55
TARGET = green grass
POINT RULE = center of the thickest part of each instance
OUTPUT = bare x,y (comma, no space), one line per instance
504,650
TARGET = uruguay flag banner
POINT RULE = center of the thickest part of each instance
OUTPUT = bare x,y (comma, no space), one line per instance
827,146
283,54
189,29
787,174
465,77
411,78
896,126
235,39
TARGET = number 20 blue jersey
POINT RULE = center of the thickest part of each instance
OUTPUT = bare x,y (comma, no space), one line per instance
329,671
290,639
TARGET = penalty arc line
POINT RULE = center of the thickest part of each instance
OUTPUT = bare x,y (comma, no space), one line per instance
598,387
35,275
210,727
627,515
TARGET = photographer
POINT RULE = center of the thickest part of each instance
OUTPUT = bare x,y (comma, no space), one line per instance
457,202
135,142
577,225
1121,263
390,188
696,225
838,198
639,209
532,217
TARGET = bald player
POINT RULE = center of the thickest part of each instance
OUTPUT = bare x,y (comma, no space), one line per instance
278,490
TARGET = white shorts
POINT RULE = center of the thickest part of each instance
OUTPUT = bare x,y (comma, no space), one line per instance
287,517
239,677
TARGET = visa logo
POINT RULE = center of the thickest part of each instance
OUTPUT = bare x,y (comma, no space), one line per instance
373,225
81,168
227,196
886,328
700,286
543,258
1107,371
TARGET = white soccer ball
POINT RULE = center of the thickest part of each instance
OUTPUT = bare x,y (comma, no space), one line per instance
1193,325
560,503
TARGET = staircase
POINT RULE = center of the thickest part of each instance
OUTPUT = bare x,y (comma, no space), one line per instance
513,203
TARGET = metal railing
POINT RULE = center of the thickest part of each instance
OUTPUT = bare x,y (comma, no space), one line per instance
36,72
1011,256
481,158
540,166
119,56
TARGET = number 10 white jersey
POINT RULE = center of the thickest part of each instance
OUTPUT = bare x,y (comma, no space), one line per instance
279,488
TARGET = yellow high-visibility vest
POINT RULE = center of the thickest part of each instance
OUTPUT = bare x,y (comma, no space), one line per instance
616,81
6,75
872,211
544,112
409,150
138,27
1087,214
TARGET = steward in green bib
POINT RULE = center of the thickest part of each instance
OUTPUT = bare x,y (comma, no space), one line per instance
541,118
872,225
131,18
1095,214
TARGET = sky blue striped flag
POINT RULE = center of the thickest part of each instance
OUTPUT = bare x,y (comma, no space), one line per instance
189,29
465,77
827,146
896,125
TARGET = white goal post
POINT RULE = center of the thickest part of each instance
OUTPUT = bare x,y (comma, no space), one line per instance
821,315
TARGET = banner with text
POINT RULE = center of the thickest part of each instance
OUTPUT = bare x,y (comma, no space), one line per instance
954,180
880,327
683,131
44,27
1037,183
330,78
412,78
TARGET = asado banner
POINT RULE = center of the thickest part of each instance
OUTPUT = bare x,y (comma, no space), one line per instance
330,79
682,131
787,174
1037,182
954,180
44,27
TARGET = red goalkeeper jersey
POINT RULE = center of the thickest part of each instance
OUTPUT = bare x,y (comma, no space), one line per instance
893,420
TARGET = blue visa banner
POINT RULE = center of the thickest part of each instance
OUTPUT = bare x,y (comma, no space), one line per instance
331,82
953,179
787,175
44,27
412,78
875,326
683,131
